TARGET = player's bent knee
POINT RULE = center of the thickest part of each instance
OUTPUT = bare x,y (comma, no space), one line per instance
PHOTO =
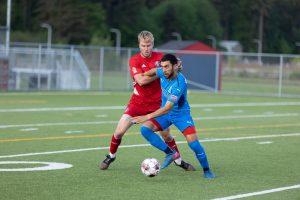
144,130
189,131
118,135
166,136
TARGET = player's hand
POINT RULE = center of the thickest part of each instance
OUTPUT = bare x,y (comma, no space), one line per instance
179,63
139,119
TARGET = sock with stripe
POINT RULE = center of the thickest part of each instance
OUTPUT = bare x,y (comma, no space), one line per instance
172,144
155,140
114,144
200,154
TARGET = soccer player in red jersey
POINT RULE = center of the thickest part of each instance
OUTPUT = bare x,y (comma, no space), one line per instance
146,98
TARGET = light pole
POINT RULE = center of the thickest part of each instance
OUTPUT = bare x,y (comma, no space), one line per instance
213,40
49,28
177,35
259,49
118,39
8,12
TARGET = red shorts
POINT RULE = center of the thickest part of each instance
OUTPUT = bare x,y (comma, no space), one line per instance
136,110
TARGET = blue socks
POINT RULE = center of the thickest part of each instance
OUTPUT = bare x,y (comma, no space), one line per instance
155,140
200,154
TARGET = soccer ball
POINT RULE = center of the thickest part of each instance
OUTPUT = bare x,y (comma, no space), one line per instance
150,167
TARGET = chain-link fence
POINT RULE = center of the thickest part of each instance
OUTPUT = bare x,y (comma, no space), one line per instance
240,73
265,74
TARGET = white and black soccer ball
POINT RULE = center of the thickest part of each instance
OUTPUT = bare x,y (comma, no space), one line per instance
150,167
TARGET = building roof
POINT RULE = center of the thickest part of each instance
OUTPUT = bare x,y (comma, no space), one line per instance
185,45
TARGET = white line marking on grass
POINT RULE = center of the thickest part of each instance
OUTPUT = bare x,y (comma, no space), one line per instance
238,111
57,124
70,132
244,116
259,193
29,129
114,122
63,109
251,104
122,107
208,109
265,142
101,116
269,113
98,93
49,166
146,145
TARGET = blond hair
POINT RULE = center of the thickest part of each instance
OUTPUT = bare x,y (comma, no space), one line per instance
146,35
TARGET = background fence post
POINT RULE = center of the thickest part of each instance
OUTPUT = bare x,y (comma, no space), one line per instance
280,76
101,69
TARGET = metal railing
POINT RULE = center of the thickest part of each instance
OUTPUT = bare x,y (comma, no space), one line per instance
238,73
47,69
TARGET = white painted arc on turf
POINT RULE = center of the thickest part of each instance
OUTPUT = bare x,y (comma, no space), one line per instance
147,145
251,104
49,166
114,122
259,193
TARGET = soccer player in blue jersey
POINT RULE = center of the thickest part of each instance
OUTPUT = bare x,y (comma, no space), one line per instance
175,110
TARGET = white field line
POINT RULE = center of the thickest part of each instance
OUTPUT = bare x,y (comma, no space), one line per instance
56,124
115,122
63,109
59,93
246,116
123,107
259,193
146,145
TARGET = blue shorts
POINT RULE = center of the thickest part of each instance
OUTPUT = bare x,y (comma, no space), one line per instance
181,121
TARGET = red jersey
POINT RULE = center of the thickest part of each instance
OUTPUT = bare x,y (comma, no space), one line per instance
149,94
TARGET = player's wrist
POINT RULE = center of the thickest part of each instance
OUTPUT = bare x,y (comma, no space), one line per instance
148,117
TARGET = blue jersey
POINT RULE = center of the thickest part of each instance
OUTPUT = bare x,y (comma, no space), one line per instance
174,91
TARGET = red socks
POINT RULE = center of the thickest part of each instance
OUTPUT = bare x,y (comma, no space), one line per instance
172,145
114,144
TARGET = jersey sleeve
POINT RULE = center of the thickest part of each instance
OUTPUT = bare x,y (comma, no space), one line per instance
159,72
135,68
176,93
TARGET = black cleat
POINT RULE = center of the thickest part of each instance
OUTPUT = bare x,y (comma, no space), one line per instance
106,162
186,166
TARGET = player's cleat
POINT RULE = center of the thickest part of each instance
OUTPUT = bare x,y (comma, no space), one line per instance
106,162
186,166
209,174
169,158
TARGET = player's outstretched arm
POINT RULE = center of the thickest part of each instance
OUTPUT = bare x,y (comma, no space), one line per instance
146,77
151,72
164,110
141,79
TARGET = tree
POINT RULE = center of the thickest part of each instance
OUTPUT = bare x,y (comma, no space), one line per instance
261,8
284,29
73,20
130,17
227,9
193,19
